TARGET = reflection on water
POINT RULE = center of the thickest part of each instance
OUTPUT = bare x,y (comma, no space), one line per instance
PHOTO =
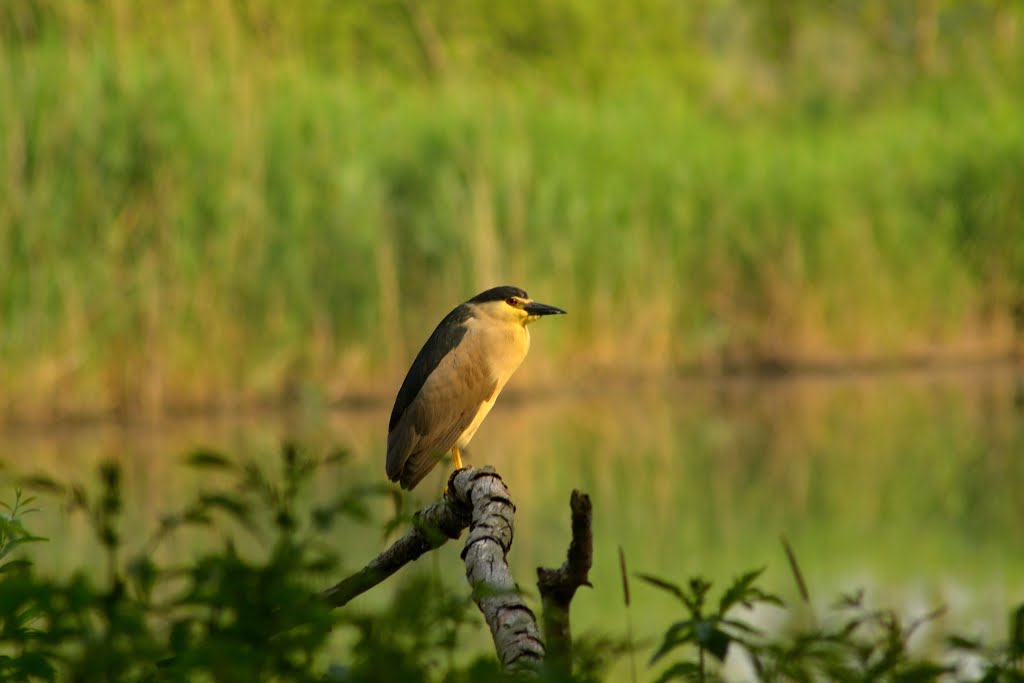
904,484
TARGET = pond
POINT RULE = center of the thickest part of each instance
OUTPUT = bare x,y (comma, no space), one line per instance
905,484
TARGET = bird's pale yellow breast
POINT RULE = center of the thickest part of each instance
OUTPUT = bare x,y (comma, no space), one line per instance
502,348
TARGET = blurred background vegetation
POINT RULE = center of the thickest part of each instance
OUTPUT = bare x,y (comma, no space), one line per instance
222,203
207,207
244,605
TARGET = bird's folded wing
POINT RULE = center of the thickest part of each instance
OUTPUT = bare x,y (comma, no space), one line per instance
445,406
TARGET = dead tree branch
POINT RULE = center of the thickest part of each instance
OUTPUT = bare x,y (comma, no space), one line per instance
432,527
479,499
558,586
513,624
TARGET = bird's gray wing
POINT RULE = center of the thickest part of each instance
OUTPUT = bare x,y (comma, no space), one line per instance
444,407
445,337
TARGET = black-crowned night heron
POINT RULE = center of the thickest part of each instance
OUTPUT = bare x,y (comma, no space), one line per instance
455,379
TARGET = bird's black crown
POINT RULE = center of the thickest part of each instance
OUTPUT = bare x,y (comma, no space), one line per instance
498,294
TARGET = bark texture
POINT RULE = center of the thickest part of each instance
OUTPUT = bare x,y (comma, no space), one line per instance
478,499
558,586
432,527
513,624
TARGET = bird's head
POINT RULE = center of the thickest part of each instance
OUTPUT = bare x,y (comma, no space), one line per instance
510,304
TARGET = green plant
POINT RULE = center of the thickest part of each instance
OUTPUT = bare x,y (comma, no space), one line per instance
707,629
1000,663
867,644
856,642
17,608
245,606
226,615
13,533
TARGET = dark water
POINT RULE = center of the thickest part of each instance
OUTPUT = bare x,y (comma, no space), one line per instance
908,485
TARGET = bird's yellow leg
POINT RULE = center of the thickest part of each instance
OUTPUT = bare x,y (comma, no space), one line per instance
457,457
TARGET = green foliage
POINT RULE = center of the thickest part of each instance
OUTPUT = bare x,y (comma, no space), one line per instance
709,632
247,609
867,644
1004,662
13,533
225,616
858,643
250,611
417,637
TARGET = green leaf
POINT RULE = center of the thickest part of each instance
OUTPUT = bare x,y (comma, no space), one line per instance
11,526
923,672
26,539
1017,631
849,627
741,626
237,508
850,600
665,586
41,482
203,457
143,573
197,517
35,665
713,639
337,456
181,635
79,498
681,671
739,591
677,634
768,598
699,587
14,565
961,643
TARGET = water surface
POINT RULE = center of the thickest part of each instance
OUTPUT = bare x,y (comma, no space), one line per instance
904,484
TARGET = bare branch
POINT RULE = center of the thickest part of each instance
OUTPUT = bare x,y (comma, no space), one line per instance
513,624
479,499
432,527
558,586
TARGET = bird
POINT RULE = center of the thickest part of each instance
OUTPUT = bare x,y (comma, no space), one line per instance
455,379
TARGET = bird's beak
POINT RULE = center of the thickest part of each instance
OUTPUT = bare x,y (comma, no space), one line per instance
535,308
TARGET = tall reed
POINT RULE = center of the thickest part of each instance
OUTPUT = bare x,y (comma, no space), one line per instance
230,221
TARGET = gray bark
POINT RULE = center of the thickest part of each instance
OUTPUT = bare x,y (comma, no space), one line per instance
558,586
513,624
432,527
479,499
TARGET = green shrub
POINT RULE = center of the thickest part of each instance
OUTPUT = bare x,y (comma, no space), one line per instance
241,610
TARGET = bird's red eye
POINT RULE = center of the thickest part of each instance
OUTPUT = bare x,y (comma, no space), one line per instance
511,301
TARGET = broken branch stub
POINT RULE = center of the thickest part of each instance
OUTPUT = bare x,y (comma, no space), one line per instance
477,498
558,586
